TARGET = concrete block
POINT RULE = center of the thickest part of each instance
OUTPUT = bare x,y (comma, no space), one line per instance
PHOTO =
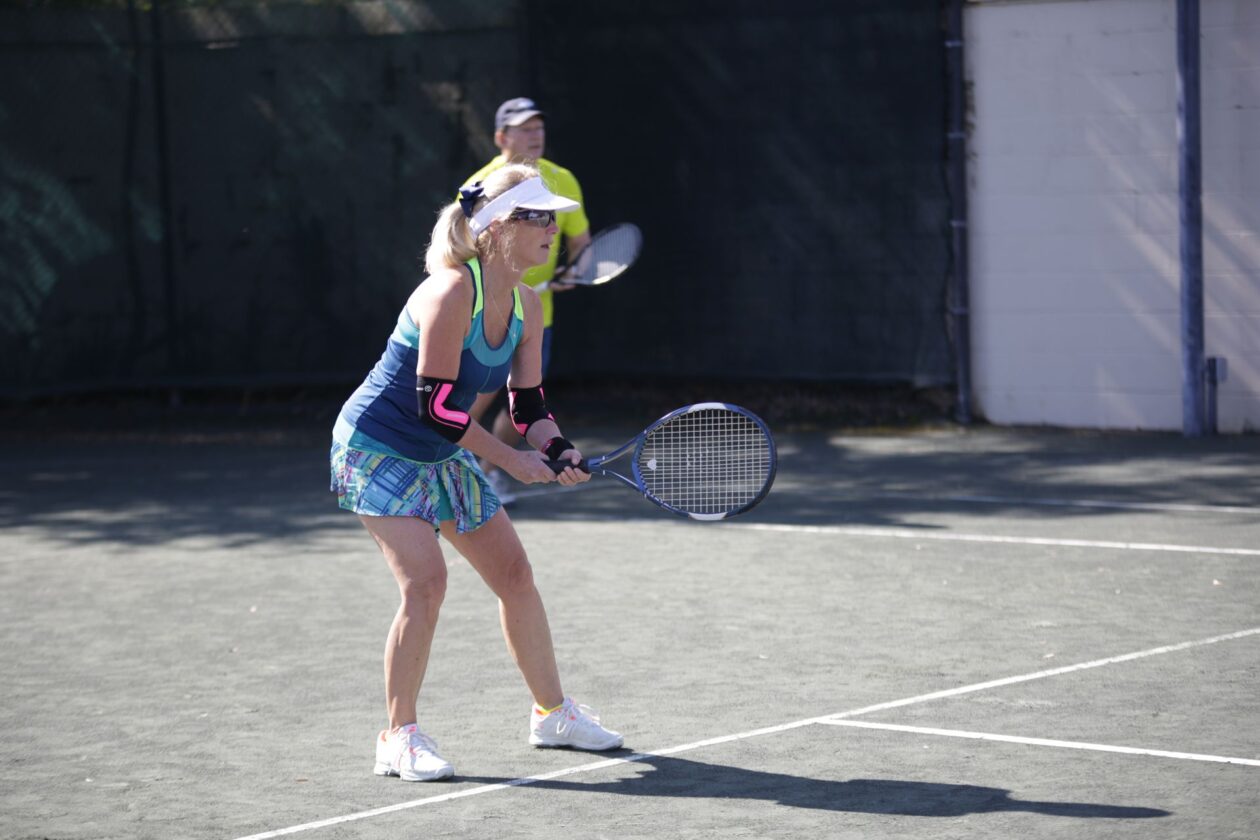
1140,411
1230,251
1159,213
1075,240
1236,292
1089,92
1237,410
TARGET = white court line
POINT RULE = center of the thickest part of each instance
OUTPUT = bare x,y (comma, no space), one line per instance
1016,501
907,534
724,739
1040,742
445,797
1053,672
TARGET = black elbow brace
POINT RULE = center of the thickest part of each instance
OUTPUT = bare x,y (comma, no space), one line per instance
528,406
431,395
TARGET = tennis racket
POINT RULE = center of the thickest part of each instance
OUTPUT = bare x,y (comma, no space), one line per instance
607,255
707,461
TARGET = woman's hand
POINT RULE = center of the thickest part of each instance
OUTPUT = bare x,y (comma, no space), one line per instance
530,467
572,475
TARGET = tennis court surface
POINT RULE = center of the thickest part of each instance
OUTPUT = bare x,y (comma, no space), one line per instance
942,633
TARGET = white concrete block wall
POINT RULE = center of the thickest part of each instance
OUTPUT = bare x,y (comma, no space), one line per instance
1074,231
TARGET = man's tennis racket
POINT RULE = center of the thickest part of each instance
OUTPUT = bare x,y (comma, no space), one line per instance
707,461
607,255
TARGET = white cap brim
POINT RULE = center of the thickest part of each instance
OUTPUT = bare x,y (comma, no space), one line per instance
531,194
521,117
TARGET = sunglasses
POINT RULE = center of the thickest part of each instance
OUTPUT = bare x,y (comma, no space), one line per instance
537,218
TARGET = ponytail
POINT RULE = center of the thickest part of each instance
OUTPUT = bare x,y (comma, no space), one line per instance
453,243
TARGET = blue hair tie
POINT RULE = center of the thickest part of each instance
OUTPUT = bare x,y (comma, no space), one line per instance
468,198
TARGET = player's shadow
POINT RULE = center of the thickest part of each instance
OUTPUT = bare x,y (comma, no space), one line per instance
680,777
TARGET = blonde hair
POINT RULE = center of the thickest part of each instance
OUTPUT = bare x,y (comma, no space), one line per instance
452,243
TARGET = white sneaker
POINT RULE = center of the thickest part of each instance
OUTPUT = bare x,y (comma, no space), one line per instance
571,725
409,753
501,484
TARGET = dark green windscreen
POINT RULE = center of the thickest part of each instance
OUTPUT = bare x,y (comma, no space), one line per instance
786,163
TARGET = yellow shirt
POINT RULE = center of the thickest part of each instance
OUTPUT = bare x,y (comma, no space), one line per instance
571,223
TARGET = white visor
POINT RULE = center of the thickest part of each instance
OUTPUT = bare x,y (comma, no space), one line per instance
527,195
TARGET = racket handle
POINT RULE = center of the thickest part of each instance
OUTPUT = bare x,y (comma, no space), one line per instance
557,467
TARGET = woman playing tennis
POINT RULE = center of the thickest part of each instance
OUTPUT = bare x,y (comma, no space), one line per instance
404,456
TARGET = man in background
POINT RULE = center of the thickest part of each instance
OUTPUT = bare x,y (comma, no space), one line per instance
521,135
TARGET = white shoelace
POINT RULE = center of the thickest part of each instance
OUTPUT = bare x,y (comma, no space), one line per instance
587,712
418,741
585,718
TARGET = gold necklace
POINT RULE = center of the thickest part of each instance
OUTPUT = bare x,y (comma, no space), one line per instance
498,313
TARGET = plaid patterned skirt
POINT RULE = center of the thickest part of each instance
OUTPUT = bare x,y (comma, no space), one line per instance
372,484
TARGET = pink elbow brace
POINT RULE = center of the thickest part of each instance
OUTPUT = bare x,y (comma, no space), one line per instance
431,396
528,406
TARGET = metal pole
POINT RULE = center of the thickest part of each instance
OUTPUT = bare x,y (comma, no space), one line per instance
138,325
174,341
1193,397
958,296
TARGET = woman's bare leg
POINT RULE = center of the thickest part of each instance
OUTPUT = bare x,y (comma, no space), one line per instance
495,551
411,549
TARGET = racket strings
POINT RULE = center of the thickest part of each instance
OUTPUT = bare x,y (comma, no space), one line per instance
710,461
610,253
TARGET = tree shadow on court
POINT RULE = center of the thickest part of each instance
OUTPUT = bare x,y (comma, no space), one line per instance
245,480
907,481
142,493
664,776
1039,473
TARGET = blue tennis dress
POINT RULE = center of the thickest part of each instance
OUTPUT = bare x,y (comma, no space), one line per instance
386,462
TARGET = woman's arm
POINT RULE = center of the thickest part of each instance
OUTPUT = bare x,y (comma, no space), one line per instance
527,402
442,315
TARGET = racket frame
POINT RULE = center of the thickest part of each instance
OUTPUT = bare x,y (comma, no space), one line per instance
597,465
599,280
